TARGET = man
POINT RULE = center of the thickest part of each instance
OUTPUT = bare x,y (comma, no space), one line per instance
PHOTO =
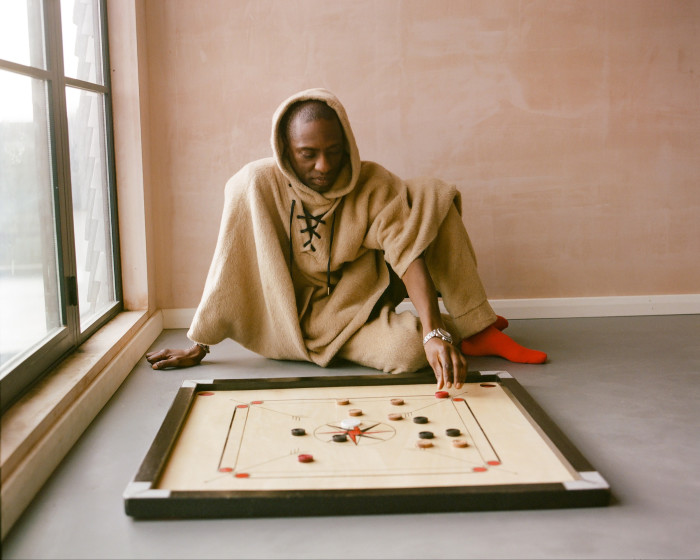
316,248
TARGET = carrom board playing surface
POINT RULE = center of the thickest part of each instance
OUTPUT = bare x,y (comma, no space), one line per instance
362,444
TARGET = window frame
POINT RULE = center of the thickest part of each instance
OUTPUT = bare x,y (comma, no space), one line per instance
46,354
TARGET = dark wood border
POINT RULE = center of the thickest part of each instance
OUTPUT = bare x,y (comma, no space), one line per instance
142,500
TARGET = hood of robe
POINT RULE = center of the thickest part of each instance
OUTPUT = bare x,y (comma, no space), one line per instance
349,175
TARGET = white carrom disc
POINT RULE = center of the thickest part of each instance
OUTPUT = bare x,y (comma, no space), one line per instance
350,423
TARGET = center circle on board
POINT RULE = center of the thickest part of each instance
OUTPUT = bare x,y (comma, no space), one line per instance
368,432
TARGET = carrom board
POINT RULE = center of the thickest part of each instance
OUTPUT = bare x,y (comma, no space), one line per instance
297,446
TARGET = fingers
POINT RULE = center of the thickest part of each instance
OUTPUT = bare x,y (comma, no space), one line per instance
448,363
454,369
459,370
161,359
158,355
439,378
168,362
167,358
447,372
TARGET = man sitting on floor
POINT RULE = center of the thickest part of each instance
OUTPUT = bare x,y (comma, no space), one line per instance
317,248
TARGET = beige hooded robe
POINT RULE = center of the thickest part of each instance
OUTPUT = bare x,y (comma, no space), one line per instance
296,273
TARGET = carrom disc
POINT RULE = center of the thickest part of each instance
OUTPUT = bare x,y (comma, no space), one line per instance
350,423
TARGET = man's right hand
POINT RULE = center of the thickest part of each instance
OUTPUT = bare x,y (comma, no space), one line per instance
161,359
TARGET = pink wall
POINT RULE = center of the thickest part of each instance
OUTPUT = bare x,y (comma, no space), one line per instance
572,129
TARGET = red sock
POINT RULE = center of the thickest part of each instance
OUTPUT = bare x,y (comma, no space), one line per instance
501,323
492,342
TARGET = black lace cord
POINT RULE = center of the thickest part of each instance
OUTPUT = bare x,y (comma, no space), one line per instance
330,248
291,246
308,217
312,231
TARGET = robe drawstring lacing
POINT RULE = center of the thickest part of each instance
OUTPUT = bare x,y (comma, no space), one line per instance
312,222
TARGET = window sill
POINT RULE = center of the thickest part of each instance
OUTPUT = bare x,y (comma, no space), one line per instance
43,425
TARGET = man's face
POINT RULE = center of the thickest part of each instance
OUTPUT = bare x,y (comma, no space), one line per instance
316,151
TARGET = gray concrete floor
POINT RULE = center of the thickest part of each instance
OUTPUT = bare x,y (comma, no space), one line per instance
624,390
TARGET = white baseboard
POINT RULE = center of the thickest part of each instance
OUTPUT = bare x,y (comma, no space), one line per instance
615,306
542,308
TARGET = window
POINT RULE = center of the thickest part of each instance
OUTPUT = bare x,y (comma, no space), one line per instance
59,274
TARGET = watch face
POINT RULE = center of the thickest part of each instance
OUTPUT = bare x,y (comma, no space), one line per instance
446,336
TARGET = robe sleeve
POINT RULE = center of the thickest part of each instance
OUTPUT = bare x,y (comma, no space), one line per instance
408,218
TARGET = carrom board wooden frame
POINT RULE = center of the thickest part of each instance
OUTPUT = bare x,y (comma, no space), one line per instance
581,486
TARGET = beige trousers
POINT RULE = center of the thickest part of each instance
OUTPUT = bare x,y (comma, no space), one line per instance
393,342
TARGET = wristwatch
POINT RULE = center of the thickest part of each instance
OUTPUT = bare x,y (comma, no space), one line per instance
442,333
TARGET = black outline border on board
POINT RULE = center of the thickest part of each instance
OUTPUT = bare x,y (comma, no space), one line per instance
143,500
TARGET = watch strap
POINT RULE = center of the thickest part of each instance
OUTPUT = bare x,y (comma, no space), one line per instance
441,333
